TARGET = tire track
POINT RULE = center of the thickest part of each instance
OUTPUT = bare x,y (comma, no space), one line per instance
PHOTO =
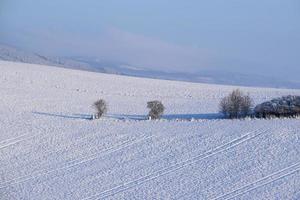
25,138
29,136
74,162
39,136
264,181
134,183
10,142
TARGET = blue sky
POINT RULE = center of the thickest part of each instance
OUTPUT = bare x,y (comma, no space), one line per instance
249,36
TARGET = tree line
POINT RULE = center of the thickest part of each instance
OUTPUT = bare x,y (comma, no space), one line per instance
236,104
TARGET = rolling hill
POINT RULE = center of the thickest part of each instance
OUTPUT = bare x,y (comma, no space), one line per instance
49,149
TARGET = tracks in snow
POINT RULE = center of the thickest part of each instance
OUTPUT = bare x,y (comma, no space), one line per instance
12,141
74,163
173,168
292,169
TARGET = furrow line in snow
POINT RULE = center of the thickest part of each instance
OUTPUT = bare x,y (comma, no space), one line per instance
14,142
261,182
134,183
11,139
74,163
24,138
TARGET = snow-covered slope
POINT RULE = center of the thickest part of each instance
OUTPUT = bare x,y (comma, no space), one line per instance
49,150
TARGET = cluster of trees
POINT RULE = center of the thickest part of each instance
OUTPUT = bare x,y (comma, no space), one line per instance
240,105
156,109
235,105
286,106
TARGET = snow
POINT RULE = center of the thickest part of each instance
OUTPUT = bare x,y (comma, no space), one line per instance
49,149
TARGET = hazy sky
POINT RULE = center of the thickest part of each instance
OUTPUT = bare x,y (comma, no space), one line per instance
250,36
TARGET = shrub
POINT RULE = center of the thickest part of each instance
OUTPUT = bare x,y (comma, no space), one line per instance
286,106
101,108
156,109
236,105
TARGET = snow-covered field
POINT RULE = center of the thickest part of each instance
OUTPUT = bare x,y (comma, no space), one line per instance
49,150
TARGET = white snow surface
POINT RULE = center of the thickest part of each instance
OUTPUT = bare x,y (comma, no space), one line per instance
50,150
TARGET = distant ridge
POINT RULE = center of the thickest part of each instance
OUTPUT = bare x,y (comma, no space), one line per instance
9,53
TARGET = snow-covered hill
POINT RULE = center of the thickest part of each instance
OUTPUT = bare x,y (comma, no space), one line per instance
50,150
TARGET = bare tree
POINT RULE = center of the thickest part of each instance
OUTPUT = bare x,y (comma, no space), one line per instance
101,108
236,105
156,109
247,105
225,106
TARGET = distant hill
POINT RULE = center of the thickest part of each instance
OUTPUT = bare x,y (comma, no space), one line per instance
8,53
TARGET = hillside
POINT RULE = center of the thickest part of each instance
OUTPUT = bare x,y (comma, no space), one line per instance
50,150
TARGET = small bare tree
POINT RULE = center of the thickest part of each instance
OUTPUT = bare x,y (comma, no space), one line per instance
236,105
156,109
225,106
101,108
246,105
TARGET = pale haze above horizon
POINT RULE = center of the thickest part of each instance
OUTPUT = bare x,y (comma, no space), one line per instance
250,36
